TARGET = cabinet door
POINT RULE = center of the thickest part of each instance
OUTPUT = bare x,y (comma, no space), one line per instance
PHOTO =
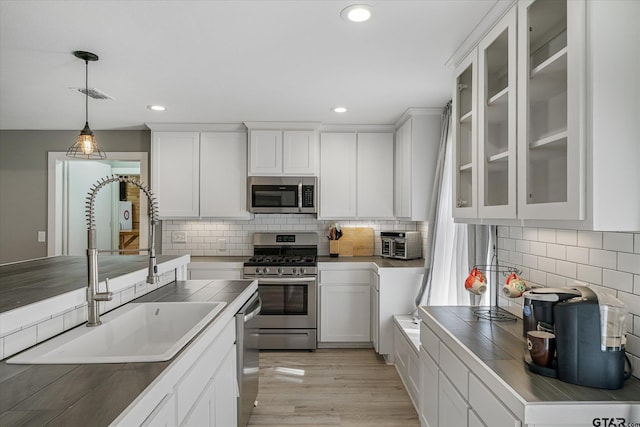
452,408
344,313
225,392
175,173
497,120
223,175
337,175
464,133
375,175
428,390
202,413
551,109
474,420
265,152
164,415
375,309
402,193
299,152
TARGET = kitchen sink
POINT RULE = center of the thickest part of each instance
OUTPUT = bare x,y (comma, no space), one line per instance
136,332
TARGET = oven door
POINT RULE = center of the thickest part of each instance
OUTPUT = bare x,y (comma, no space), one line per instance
287,303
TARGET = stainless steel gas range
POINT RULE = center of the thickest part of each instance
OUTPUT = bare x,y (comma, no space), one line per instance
286,268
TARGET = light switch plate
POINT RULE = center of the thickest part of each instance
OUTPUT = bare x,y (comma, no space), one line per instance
178,237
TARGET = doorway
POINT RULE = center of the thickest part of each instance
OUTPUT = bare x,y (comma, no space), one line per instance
69,181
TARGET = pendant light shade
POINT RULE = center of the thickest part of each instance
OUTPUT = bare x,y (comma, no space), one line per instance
86,146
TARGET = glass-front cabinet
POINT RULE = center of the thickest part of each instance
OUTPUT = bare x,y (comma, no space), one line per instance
551,110
464,134
497,120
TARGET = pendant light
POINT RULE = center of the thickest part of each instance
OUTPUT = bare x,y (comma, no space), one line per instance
86,146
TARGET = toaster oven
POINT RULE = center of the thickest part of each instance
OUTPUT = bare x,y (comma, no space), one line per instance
401,244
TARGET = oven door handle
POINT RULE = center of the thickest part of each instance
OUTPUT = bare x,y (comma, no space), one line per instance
283,280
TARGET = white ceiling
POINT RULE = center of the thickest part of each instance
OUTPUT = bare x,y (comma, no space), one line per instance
226,61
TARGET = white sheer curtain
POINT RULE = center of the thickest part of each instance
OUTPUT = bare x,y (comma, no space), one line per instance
449,268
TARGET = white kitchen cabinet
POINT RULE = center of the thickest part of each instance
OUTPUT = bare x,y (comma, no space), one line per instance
223,175
374,283
338,153
164,415
452,407
283,148
407,363
344,306
374,175
488,408
464,137
474,419
428,406
397,293
356,175
199,174
175,173
497,120
417,141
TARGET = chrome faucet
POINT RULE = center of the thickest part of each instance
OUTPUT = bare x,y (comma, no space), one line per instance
93,295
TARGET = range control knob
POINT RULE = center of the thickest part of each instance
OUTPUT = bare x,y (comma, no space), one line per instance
257,270
294,271
280,271
265,270
302,270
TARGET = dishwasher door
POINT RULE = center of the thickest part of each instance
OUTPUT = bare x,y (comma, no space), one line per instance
247,347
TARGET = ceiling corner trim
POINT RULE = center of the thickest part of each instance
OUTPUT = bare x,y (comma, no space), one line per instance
488,21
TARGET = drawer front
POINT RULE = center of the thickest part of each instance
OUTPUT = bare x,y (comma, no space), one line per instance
488,407
430,341
344,276
455,370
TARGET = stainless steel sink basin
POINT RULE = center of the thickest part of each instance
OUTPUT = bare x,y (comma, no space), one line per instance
136,332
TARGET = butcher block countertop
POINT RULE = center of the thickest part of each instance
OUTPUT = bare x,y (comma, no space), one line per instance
95,394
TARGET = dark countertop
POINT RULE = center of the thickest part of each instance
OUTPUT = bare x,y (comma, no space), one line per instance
31,281
380,261
95,394
495,352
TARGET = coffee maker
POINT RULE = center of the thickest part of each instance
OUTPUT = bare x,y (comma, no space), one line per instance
589,335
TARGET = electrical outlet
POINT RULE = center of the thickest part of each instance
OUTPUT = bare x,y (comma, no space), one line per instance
222,244
42,236
178,237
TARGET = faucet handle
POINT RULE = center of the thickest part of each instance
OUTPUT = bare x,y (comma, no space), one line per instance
104,296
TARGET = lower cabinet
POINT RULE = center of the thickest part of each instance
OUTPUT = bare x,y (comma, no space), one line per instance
451,395
407,363
345,303
374,282
198,389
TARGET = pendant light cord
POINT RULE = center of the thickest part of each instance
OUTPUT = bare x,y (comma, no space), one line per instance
86,91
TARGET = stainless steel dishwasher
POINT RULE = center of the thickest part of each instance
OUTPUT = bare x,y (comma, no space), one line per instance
247,348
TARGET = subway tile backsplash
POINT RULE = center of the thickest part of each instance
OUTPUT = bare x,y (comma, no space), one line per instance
234,237
606,261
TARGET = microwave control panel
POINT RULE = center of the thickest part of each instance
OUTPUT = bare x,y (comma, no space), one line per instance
307,196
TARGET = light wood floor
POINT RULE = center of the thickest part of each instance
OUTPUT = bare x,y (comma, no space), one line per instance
330,387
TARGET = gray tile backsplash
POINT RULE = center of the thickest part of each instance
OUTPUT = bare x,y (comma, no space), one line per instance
606,261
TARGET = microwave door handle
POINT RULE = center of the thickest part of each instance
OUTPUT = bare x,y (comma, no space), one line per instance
300,196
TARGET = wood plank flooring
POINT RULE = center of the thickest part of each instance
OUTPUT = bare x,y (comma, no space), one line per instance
330,387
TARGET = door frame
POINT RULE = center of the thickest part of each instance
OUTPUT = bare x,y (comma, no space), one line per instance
55,160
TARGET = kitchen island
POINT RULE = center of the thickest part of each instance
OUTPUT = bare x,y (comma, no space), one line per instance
124,393
472,372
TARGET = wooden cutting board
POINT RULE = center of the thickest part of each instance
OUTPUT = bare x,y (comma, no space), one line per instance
356,241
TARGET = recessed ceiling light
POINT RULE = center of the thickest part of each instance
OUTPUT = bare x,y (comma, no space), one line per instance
339,110
156,107
357,13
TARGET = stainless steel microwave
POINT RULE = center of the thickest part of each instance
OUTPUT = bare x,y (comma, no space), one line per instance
282,194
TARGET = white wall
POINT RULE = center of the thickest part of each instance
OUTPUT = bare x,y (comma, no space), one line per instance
555,257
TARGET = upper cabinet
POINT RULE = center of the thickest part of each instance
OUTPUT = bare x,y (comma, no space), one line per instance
497,120
200,174
417,141
356,175
551,120
576,118
283,148
464,138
